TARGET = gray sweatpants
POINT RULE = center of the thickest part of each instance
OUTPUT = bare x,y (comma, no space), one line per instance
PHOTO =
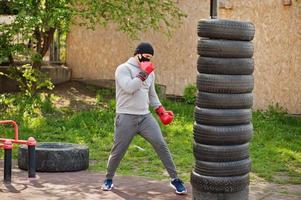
126,127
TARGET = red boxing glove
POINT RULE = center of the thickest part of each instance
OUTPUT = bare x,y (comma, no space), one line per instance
147,68
166,117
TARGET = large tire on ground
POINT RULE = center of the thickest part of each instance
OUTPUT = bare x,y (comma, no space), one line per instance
225,48
56,157
228,153
222,135
222,169
226,66
225,101
222,117
225,84
226,29
218,184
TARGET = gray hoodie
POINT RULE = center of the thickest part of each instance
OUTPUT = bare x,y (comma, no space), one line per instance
133,96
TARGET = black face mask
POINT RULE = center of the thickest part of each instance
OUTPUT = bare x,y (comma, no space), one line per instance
143,59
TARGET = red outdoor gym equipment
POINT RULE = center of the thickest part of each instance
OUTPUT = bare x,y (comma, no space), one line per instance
7,145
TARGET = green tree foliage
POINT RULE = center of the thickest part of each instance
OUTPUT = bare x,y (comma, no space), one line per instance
29,79
31,32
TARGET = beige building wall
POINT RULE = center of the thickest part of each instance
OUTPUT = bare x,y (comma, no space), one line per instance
277,50
96,54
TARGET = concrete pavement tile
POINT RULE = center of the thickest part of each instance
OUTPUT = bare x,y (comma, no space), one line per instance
277,196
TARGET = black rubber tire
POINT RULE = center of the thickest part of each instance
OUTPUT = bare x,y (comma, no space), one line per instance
228,101
226,66
225,48
222,169
222,117
222,135
212,153
226,29
218,184
240,195
56,157
225,84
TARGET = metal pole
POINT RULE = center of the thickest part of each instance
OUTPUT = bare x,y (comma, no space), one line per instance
7,161
213,9
31,157
15,125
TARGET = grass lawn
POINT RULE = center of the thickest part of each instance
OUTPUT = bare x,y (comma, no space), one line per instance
275,148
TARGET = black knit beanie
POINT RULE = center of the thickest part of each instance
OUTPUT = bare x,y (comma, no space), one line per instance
144,47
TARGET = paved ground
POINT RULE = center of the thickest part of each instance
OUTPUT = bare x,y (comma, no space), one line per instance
86,185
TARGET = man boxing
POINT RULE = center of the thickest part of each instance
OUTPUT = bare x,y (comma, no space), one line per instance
135,91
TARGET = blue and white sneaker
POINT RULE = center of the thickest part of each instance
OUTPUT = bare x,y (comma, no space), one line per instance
107,185
178,185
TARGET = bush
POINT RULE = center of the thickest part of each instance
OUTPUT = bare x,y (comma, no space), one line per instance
161,91
104,94
190,93
29,79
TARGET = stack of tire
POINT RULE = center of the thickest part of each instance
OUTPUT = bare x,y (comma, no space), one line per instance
223,128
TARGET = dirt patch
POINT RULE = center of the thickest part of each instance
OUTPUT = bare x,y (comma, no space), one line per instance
74,95
281,177
261,189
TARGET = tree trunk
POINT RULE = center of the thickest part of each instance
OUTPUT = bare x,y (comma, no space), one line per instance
48,38
37,65
44,40
11,60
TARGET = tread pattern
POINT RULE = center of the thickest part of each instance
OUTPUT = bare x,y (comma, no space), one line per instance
223,169
222,135
221,117
227,66
219,184
225,48
228,101
214,153
226,29
225,84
